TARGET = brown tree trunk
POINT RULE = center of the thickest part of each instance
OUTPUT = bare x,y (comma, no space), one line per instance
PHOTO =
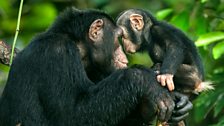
5,53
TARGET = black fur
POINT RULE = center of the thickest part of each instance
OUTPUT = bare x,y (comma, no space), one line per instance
49,86
167,46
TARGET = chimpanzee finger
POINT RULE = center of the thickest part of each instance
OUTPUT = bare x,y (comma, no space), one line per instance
169,83
184,110
170,107
178,119
162,111
158,77
182,99
163,80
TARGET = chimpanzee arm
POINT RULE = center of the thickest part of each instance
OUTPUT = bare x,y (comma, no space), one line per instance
112,99
174,48
172,60
182,107
105,103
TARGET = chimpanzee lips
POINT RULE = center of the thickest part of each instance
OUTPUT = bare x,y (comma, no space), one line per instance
120,65
120,59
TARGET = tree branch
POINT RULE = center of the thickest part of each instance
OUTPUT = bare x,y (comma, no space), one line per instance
5,53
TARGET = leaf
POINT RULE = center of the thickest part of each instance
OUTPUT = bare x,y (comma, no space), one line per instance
203,1
220,122
218,50
181,21
163,13
205,103
220,105
209,38
201,25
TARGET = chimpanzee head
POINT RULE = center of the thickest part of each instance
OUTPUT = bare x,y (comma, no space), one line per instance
104,50
103,38
136,25
99,49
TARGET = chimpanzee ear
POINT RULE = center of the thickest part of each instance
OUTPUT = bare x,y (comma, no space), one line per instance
96,30
136,21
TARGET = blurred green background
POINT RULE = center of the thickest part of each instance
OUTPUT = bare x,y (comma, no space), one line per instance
201,20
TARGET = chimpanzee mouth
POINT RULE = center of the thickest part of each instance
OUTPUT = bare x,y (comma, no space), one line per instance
120,65
120,59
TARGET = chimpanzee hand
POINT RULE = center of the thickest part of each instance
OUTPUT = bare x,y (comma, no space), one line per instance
182,107
157,102
166,80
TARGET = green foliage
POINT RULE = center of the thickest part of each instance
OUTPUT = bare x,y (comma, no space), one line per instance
209,38
218,50
181,20
39,18
139,58
164,13
211,104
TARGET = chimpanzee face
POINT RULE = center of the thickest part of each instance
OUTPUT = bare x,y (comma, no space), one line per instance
133,25
106,50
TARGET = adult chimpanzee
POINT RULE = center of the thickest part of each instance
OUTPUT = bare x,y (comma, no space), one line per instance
167,46
49,83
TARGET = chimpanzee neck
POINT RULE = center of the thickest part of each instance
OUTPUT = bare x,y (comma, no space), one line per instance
96,75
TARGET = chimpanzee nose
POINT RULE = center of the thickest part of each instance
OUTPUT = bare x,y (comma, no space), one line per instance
119,31
129,47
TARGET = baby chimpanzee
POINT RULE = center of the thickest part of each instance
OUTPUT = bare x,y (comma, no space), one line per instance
174,54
